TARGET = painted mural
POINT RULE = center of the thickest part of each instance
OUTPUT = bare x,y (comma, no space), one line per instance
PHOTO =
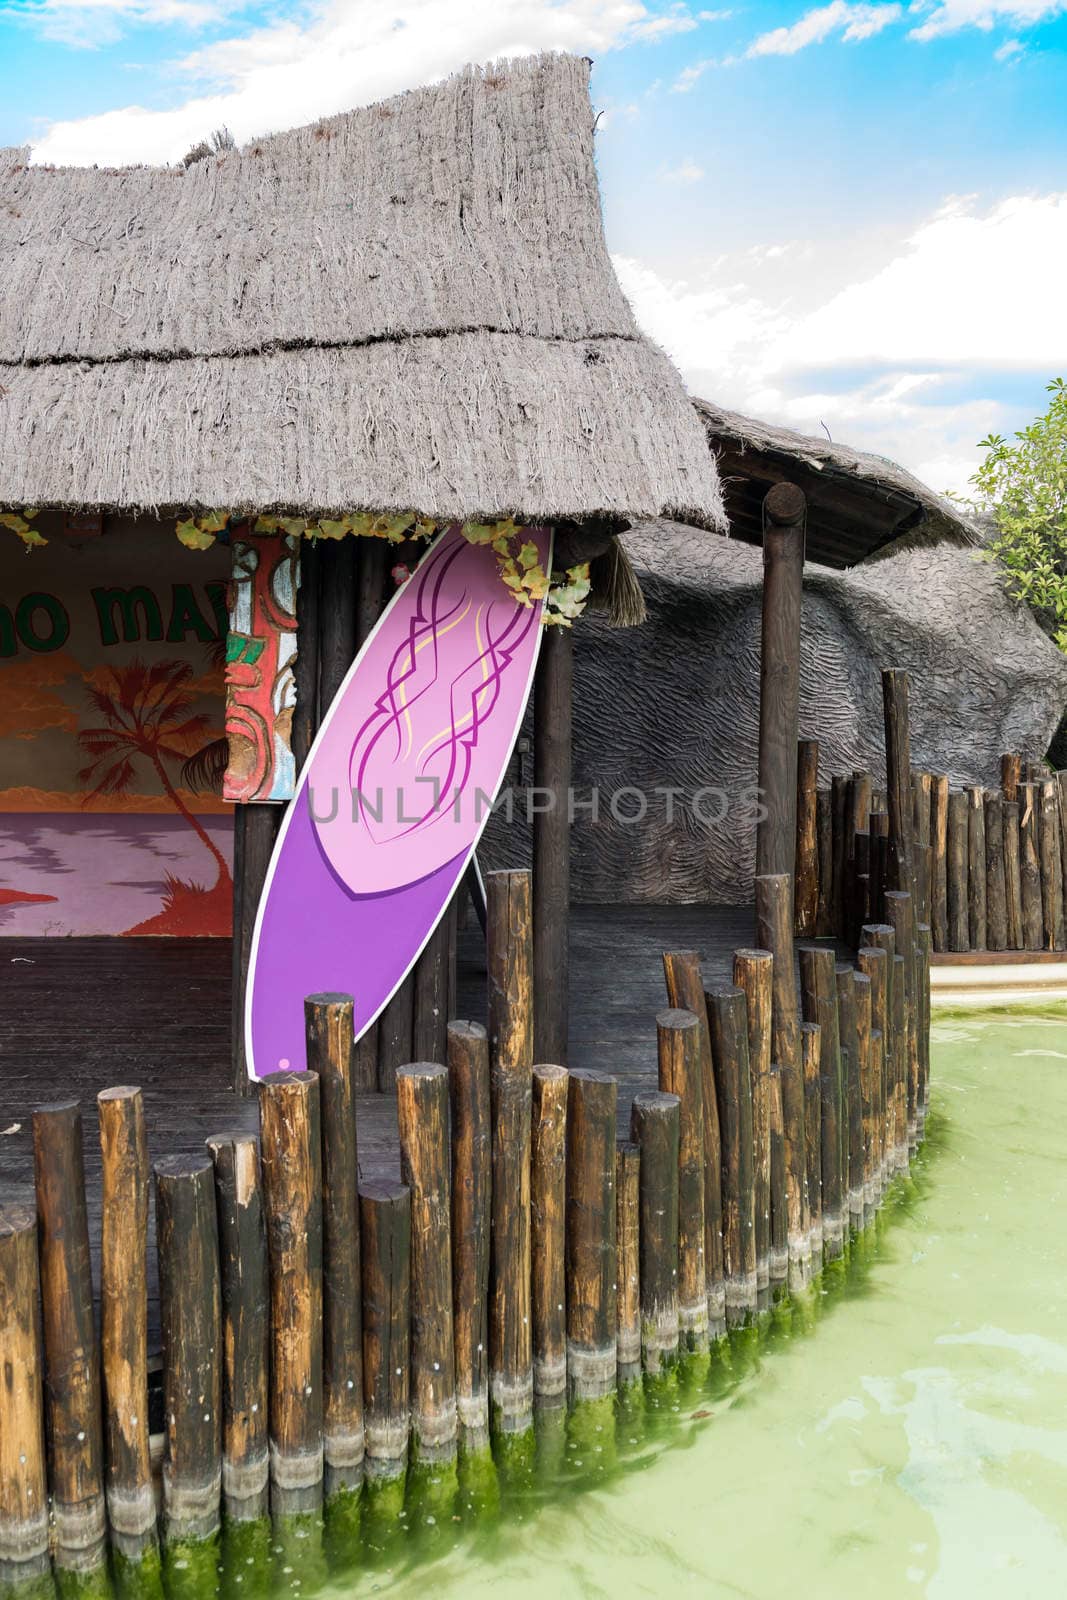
394,795
260,664
112,647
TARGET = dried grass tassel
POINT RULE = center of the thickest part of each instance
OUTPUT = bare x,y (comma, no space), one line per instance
615,588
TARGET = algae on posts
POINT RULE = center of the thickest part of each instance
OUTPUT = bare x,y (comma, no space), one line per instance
191,1567
591,1437
246,1564
137,1577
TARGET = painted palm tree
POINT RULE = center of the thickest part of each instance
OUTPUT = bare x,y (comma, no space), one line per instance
146,716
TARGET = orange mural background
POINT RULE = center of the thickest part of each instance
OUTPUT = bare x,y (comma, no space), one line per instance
112,652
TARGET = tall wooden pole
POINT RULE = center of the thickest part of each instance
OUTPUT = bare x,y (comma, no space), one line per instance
898,778
783,577
551,842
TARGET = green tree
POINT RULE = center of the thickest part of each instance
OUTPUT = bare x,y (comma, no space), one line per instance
1023,484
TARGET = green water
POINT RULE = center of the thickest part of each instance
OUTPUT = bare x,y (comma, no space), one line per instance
907,1437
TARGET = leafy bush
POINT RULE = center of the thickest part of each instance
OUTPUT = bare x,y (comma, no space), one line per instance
1024,485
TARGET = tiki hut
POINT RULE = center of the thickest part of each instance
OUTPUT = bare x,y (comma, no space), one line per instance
395,320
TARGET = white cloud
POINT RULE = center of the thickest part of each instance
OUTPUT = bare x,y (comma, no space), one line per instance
94,22
1009,49
690,75
348,53
853,22
965,286
685,173
950,16
947,306
675,20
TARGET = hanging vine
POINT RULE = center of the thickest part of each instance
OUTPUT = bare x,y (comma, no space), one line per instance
564,593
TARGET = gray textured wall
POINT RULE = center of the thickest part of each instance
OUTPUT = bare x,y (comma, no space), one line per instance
676,702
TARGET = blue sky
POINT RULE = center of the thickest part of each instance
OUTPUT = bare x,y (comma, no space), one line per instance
848,216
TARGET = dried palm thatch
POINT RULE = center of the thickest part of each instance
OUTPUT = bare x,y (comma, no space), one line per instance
858,503
406,308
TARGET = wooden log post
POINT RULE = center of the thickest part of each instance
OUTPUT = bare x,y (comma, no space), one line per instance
806,869
860,886
959,926
976,869
818,986
880,936
551,842
422,1114
996,875
679,1041
338,563
900,914
1011,771
873,962
898,778
727,1012
385,1264
900,1062
72,1366
783,579
628,1260
654,1126
245,1284
824,823
922,788
1052,914
939,842
811,1055
370,587
779,1251
328,1025
131,1503
1013,888
255,828
23,1482
774,933
685,991
396,1035
754,974
430,1020
190,1315
468,1082
510,958
852,1054
1030,868
860,1112
879,870
291,1143
839,815
923,951
591,1243
548,1193
306,666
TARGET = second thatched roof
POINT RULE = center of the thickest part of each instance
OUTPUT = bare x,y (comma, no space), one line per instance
858,503
406,308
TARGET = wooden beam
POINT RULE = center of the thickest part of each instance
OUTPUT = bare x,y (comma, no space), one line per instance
551,843
783,576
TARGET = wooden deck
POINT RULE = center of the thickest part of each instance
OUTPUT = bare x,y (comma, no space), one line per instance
79,1015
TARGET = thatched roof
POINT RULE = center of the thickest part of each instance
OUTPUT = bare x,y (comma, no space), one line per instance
409,307
857,503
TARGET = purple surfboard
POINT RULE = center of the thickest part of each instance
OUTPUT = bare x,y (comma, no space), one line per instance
393,796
